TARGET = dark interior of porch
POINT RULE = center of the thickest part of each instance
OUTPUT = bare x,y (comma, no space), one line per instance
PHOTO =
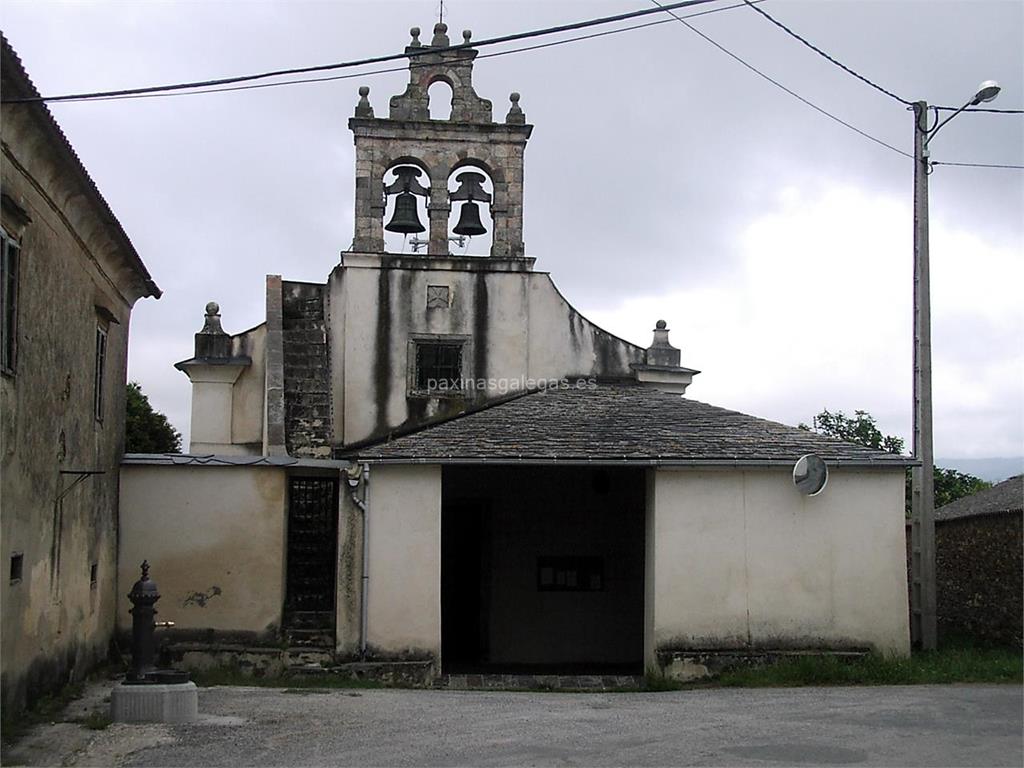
542,570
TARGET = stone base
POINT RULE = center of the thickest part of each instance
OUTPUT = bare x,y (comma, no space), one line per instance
540,682
178,703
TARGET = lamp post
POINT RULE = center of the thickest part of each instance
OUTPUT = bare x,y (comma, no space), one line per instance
922,511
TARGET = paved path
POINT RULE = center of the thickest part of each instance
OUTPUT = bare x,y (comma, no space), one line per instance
893,726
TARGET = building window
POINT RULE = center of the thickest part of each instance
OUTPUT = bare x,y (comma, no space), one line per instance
9,253
570,574
93,572
101,368
438,366
17,561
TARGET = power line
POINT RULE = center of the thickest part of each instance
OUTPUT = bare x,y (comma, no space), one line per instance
364,62
777,84
820,52
980,165
412,64
861,77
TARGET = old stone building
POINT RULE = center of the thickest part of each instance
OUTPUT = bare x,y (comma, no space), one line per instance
979,556
433,459
68,282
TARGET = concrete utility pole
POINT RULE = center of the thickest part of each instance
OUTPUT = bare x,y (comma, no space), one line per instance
923,630
922,477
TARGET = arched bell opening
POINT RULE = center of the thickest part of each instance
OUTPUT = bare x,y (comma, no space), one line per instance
406,223
439,100
470,222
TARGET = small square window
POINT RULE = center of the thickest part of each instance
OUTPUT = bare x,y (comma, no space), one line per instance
438,366
17,561
438,297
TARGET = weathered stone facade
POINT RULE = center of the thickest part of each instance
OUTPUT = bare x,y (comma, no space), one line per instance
440,148
339,364
979,567
63,399
307,373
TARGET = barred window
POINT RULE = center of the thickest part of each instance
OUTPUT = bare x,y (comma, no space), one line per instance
9,258
438,366
101,369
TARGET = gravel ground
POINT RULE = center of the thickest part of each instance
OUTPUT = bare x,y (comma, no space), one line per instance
964,725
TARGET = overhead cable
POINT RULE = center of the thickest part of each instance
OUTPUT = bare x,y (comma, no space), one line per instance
861,77
412,64
980,165
367,61
777,84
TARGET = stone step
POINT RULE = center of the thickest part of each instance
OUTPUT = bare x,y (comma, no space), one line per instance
308,619
541,682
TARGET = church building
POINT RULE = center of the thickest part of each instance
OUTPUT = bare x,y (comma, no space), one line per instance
432,459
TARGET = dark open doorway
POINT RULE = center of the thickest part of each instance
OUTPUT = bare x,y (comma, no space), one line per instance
542,570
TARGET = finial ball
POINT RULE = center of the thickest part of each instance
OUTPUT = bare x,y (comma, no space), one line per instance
415,31
364,90
213,308
661,325
514,97
467,34
440,28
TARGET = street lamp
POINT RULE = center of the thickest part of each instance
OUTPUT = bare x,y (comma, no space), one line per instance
922,509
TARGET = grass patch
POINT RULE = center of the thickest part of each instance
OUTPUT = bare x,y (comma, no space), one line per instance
97,720
320,683
655,681
948,665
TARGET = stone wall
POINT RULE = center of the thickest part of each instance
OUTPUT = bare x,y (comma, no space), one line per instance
307,374
75,275
979,582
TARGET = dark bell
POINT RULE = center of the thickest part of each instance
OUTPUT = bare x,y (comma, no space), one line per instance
406,218
469,220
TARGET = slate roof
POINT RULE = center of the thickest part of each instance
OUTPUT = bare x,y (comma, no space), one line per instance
1007,496
612,424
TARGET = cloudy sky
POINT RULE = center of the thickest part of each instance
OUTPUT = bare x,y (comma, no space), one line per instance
664,180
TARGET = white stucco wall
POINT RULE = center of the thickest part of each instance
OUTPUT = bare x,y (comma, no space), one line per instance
404,602
739,558
249,392
517,324
215,541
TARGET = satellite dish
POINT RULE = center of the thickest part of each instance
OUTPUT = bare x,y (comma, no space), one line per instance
810,475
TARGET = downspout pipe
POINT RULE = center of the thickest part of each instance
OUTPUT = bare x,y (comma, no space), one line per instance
364,507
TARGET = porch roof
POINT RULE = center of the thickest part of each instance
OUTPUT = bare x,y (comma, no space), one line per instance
616,424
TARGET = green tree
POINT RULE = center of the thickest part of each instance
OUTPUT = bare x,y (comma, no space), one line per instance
147,431
861,429
951,485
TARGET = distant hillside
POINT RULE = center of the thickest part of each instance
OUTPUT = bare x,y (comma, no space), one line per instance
994,470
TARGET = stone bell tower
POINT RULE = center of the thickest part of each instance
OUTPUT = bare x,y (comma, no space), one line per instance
426,154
